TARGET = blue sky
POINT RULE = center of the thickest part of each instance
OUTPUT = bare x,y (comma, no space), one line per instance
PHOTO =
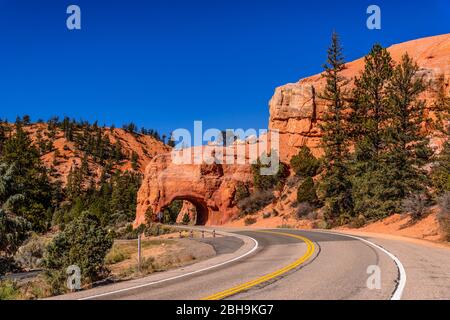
164,64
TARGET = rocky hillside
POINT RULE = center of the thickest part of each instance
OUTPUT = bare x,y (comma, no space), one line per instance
296,109
112,147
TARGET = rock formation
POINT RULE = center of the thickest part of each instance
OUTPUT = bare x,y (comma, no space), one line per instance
66,155
209,187
296,110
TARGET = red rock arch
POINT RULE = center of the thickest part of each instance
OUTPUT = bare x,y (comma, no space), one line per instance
198,202
210,187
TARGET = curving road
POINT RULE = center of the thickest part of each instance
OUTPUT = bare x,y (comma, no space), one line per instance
293,264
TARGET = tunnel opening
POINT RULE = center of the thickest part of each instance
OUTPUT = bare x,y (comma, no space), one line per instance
186,210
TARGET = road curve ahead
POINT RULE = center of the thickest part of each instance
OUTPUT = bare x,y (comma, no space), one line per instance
293,264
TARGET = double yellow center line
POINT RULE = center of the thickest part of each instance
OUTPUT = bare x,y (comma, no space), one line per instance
247,285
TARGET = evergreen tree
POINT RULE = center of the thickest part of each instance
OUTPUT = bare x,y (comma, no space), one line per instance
441,170
335,184
171,142
134,161
307,192
30,179
407,145
268,182
373,194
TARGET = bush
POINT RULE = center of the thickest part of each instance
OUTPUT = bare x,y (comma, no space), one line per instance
268,182
83,243
304,163
7,265
358,222
266,215
305,210
444,214
116,255
249,221
257,201
186,219
416,205
31,254
307,192
321,224
156,229
13,232
242,192
8,290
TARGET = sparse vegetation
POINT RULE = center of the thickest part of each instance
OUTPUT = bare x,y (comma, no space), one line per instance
305,210
249,221
444,214
417,205
255,202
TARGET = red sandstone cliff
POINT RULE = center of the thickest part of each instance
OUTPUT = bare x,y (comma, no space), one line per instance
292,105
296,111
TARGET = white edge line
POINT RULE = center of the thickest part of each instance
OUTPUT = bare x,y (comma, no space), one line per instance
255,247
397,295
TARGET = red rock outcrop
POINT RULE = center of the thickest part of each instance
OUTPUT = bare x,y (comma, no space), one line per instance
209,187
296,110
66,155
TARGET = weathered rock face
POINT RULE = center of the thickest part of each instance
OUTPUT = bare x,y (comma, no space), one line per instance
209,187
296,110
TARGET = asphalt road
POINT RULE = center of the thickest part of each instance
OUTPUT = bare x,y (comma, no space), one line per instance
292,264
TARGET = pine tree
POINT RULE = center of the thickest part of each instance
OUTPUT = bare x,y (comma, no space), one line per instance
408,146
30,178
171,142
335,185
2,136
134,161
373,194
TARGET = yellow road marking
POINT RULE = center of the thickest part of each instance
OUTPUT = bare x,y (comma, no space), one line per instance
247,285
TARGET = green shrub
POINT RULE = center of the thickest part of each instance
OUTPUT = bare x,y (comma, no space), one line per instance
268,182
242,192
307,191
83,243
116,255
266,215
30,254
186,219
8,290
304,163
321,224
249,221
358,222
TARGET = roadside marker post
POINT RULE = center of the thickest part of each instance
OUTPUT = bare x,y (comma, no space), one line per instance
139,253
